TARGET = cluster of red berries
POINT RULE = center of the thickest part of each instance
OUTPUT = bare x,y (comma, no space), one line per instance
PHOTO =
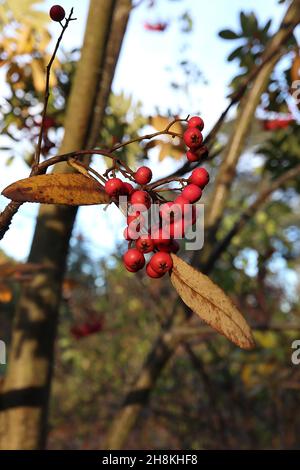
57,13
174,216
193,138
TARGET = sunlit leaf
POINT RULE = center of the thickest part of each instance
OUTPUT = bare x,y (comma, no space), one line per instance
70,189
212,305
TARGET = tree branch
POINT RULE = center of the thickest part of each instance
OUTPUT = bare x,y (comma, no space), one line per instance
248,215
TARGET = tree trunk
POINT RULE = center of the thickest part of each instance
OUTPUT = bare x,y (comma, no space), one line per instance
25,395
125,419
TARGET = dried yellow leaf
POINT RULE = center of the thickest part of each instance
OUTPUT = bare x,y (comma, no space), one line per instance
70,189
212,305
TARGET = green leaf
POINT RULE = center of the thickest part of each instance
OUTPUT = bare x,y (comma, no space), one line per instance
248,23
267,26
235,54
228,34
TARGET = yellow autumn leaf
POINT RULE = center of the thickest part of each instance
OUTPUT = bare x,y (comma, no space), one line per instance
212,305
59,188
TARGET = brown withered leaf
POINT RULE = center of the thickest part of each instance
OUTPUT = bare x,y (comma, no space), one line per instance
212,305
70,189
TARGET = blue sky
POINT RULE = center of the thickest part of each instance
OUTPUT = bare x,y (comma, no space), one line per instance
142,73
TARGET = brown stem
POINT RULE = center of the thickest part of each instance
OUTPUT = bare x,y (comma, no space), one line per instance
236,97
165,131
47,88
6,216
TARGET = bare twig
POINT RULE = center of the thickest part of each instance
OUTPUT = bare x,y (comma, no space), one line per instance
47,88
234,99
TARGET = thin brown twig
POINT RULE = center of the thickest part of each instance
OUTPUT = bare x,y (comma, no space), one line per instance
234,99
165,131
47,89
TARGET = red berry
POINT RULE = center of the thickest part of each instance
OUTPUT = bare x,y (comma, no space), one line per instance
130,269
173,247
127,234
192,156
128,188
143,175
182,202
136,220
161,262
198,154
192,193
57,13
177,229
145,244
132,232
134,259
193,138
141,198
196,121
161,236
199,177
170,212
114,187
152,273
164,248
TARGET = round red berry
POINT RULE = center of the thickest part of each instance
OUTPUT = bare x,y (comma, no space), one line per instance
134,259
127,234
199,177
130,269
193,138
161,236
143,175
141,198
173,247
196,121
136,220
57,13
177,229
170,212
165,209
161,262
114,187
152,273
128,188
145,244
192,193
182,202
192,156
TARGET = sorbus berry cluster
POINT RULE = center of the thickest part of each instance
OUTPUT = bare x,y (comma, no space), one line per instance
173,217
193,138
